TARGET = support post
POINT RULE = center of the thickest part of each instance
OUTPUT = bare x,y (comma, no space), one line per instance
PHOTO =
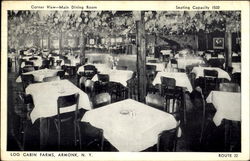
82,48
228,49
49,40
141,57
60,42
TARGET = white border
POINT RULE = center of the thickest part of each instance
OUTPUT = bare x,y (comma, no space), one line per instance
134,5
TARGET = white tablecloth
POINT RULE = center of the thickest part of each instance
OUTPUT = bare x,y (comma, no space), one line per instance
209,56
45,97
38,62
199,72
181,79
236,67
40,74
183,62
100,67
135,131
166,52
227,104
159,66
119,76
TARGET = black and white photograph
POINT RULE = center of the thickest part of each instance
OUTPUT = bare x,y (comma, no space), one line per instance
123,80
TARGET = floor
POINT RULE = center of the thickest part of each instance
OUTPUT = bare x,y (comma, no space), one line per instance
188,142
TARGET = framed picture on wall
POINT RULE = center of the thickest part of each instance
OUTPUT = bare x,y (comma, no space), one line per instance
218,43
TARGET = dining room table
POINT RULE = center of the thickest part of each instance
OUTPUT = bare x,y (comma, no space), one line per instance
100,67
159,66
40,74
130,126
37,62
119,76
227,105
45,96
199,72
183,62
180,77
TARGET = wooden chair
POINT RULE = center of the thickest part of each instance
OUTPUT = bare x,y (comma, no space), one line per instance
232,135
25,102
33,58
86,85
101,99
167,140
132,85
93,137
102,83
50,79
210,80
61,118
236,78
45,64
29,63
26,69
90,71
61,74
71,70
118,90
156,101
174,64
216,63
27,79
150,75
172,93
58,62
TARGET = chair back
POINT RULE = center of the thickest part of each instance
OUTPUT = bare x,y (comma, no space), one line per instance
89,71
168,82
104,78
61,74
89,67
28,69
45,64
156,101
229,87
33,58
102,99
50,79
71,70
216,62
236,59
174,63
68,100
236,78
64,102
152,61
29,63
210,81
27,79
150,68
150,72
210,73
214,54
58,62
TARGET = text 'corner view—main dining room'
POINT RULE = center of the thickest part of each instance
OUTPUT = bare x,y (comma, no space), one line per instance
124,81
